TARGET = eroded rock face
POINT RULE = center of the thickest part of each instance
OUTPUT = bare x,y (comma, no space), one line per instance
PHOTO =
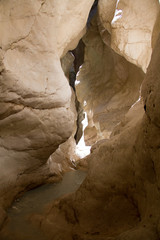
35,101
151,97
108,85
131,33
120,197
106,10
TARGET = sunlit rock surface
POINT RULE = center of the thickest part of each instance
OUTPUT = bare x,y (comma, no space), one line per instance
107,86
131,28
36,113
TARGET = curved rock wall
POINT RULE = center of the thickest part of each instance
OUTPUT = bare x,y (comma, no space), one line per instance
36,115
120,197
132,33
107,85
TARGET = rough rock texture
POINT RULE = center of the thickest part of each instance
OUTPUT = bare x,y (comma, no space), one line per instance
120,197
106,10
107,86
36,115
156,31
119,200
131,33
65,156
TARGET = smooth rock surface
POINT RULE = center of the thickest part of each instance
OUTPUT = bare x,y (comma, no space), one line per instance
120,197
107,86
131,28
36,110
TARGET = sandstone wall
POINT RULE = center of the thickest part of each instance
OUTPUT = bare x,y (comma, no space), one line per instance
131,28
36,113
120,197
108,85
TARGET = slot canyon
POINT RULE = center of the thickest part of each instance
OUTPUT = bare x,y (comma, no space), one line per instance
79,120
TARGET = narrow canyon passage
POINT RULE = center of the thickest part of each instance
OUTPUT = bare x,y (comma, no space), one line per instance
79,120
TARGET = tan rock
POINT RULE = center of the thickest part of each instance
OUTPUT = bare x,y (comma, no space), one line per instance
120,197
36,113
107,85
106,10
131,28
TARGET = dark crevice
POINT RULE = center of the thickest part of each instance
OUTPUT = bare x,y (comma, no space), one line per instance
78,54
92,13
